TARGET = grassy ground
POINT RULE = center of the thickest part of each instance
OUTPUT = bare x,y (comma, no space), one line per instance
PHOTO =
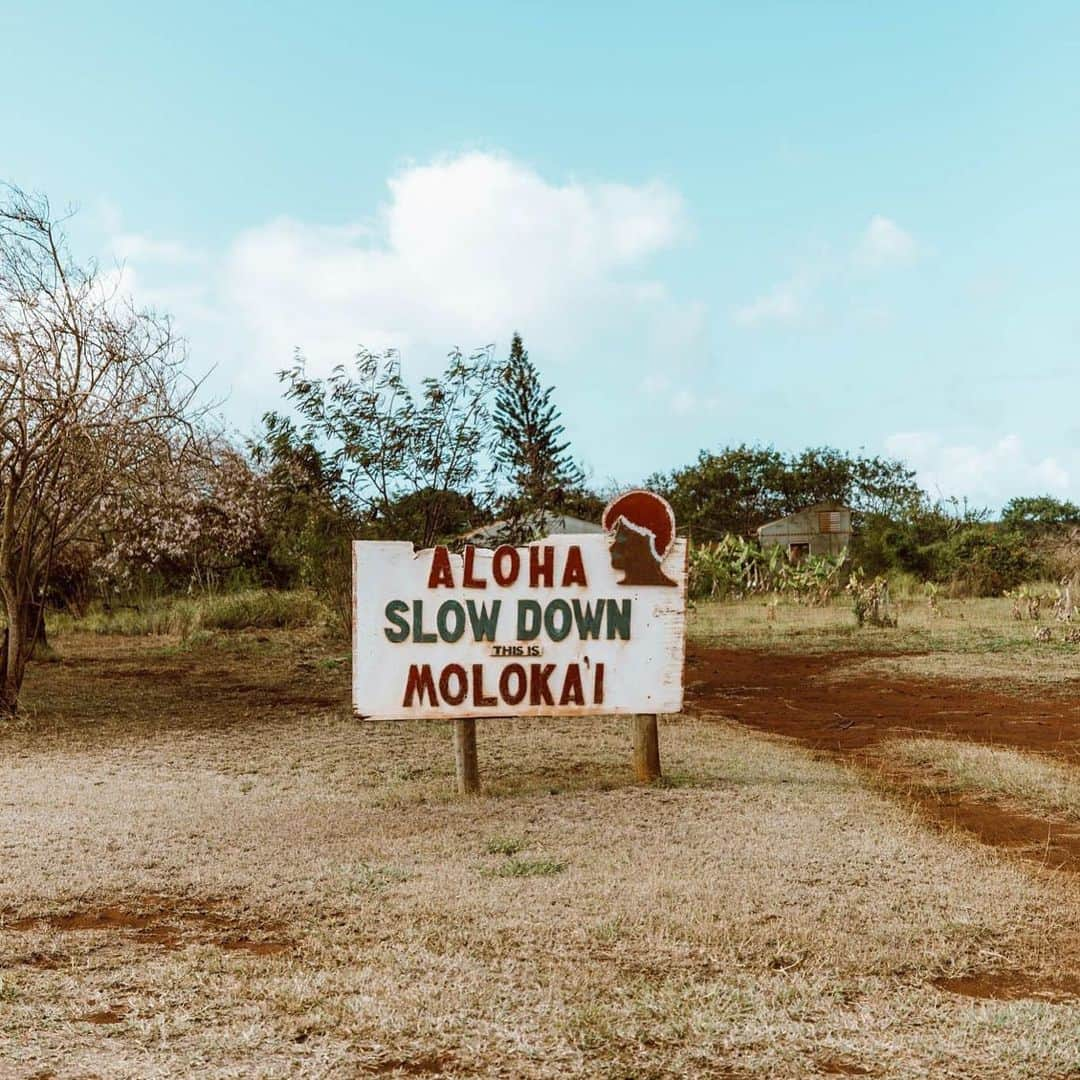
210,869
963,639
1023,778
188,616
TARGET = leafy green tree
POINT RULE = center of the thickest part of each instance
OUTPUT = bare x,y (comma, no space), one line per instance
738,489
369,459
460,513
399,461
733,491
309,521
529,449
1040,513
917,538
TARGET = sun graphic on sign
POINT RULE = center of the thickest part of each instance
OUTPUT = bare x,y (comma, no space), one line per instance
642,529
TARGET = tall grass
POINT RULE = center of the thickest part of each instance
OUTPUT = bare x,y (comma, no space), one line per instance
249,609
1049,785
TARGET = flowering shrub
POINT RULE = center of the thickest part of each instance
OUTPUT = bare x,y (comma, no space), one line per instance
190,527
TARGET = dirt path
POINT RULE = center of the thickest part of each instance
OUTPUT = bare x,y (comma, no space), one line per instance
808,697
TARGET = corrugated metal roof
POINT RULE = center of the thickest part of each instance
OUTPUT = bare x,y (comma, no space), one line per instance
544,525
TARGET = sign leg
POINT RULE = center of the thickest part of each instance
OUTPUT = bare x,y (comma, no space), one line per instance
468,771
646,748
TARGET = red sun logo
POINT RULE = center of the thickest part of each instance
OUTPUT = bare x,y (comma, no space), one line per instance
645,512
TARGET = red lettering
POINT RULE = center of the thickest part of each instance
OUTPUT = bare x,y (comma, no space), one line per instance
471,582
506,565
457,696
598,685
441,574
478,698
539,690
516,695
544,569
574,571
418,684
572,693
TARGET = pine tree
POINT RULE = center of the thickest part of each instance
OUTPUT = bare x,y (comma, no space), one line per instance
529,452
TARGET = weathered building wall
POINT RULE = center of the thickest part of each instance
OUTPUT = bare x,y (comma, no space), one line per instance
819,530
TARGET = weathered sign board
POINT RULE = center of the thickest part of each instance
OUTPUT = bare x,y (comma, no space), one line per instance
566,626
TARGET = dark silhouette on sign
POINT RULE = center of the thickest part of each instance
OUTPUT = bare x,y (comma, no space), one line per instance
642,528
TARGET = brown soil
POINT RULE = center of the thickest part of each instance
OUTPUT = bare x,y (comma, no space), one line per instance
802,697
1055,844
837,1066
160,921
113,1015
424,1065
257,948
1013,986
790,695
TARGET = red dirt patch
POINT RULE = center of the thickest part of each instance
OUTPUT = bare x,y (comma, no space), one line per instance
838,1066
1013,986
157,920
106,919
112,1015
789,695
257,948
1054,844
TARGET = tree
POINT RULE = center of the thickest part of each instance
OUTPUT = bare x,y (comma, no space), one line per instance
401,463
93,399
1040,513
738,489
188,525
732,491
528,451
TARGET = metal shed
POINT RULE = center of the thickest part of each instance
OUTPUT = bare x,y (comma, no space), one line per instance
819,530
540,526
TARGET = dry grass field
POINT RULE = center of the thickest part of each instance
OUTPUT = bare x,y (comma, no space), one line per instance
210,869
963,639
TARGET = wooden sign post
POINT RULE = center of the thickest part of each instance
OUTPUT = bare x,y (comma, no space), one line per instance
646,748
573,625
465,762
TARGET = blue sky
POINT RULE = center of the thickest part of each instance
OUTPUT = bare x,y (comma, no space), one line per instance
795,224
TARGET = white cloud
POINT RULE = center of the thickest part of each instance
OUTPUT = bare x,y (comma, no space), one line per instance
794,300
884,243
992,473
143,248
787,303
678,399
684,402
464,251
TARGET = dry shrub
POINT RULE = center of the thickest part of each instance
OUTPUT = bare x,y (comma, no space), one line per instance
1062,555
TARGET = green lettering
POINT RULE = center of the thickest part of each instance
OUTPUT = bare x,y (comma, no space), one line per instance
483,622
450,607
589,619
395,613
557,629
528,609
418,634
618,620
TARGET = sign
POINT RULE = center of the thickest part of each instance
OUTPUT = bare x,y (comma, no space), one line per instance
574,625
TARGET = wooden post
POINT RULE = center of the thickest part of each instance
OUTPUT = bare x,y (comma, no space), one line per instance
468,771
646,748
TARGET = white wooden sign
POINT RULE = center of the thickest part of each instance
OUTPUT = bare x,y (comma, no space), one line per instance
566,626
